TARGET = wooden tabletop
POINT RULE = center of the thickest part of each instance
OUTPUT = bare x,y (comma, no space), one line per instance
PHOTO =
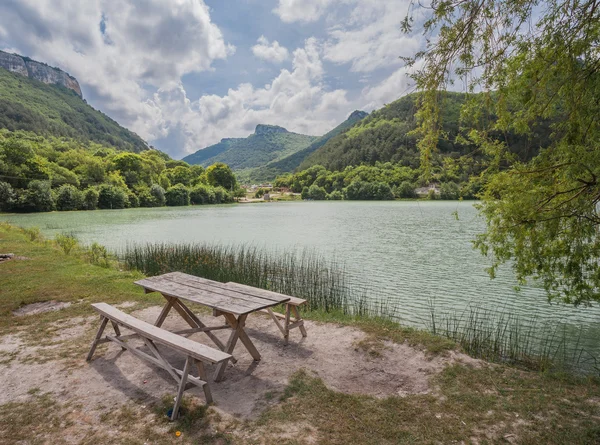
210,293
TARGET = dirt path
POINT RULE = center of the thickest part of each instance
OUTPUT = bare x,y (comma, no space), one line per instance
114,378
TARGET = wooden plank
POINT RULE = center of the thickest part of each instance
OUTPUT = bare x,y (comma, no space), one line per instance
221,288
202,374
184,376
103,323
203,297
300,321
149,358
182,344
263,293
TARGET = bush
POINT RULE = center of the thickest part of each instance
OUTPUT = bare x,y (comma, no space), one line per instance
37,198
202,194
222,196
112,197
406,189
33,233
69,197
304,194
158,195
317,193
66,242
7,196
134,201
98,255
449,190
336,195
260,193
361,190
432,195
178,195
90,199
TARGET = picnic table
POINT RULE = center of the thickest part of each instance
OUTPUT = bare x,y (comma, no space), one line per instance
232,302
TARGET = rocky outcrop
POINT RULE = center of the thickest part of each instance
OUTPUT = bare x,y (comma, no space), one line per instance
38,71
268,129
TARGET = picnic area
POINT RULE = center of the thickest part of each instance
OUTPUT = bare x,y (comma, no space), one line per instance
337,380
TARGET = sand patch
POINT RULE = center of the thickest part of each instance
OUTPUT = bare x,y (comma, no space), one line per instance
38,308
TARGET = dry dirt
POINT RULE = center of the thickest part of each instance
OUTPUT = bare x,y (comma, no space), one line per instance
114,378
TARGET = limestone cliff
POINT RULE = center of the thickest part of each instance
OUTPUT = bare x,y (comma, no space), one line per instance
38,71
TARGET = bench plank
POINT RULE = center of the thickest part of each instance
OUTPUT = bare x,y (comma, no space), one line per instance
166,338
263,293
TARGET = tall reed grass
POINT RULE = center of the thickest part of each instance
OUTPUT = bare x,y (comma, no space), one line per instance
304,275
484,333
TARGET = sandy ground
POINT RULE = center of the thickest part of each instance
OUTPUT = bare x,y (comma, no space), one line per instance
114,377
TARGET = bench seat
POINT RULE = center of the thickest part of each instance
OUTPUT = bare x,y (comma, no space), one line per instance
195,353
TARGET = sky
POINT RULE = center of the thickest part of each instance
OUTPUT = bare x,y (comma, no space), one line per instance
183,74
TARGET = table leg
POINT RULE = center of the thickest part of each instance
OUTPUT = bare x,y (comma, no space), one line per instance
163,314
218,375
239,324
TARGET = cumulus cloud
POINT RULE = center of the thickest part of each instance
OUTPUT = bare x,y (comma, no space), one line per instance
296,99
271,52
371,37
118,49
302,10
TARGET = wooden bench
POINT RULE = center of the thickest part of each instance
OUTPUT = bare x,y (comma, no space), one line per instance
195,353
291,305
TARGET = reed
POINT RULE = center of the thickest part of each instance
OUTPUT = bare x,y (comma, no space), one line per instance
490,334
304,275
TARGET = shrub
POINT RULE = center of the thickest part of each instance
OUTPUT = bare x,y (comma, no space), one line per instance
68,197
449,190
178,195
304,194
222,195
37,198
405,189
432,195
112,197
336,195
361,190
134,201
158,195
202,194
66,242
33,233
317,193
7,196
98,255
90,199
260,193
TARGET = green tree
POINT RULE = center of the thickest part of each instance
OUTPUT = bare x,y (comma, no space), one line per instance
158,195
90,199
449,191
220,174
537,62
178,195
406,189
68,197
7,196
36,198
112,197
336,195
317,193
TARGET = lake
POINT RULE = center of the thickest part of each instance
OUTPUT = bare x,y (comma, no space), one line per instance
416,254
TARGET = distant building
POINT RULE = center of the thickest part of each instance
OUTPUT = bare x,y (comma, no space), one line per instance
267,196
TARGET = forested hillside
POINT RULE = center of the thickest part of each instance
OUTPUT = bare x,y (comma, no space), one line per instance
40,174
293,161
53,110
268,143
378,158
384,136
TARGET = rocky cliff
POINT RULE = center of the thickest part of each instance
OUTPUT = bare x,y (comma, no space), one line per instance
38,71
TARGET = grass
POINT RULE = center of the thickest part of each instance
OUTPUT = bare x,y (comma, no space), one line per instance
489,404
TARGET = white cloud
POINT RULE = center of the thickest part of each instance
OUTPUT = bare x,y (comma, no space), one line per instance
302,10
372,37
271,52
398,84
295,99
146,43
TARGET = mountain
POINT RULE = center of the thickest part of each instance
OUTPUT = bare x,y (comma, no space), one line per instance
38,71
384,136
293,161
47,101
268,143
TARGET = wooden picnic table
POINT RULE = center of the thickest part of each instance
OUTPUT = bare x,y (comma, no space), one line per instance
233,303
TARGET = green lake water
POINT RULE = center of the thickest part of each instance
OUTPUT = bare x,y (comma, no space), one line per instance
414,255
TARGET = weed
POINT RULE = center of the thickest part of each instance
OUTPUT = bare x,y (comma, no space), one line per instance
66,242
